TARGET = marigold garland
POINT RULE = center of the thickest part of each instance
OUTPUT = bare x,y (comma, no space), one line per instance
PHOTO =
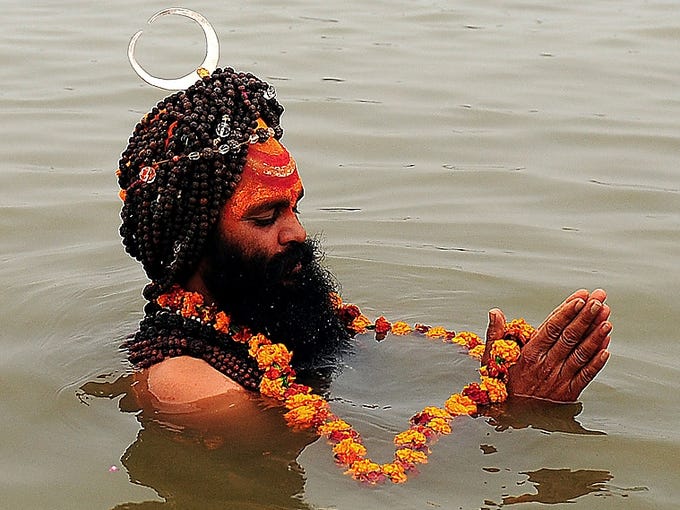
308,411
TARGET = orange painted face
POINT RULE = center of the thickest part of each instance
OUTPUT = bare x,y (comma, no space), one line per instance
261,215
270,174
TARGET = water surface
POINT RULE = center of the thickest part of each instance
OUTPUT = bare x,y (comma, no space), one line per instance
456,156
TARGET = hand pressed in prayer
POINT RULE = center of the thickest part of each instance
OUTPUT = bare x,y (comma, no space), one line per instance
565,353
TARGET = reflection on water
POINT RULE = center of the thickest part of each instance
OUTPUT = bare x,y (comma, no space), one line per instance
458,155
210,469
225,467
561,485
519,413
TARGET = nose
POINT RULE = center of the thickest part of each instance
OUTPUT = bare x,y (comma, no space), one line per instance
292,230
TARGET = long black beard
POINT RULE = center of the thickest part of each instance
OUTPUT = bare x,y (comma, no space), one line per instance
285,297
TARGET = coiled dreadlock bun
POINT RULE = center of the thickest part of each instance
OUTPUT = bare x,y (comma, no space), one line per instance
182,163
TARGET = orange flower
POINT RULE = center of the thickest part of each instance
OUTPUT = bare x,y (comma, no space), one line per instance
295,388
242,336
122,194
273,388
360,323
477,352
172,299
365,470
307,416
409,457
505,350
222,322
304,399
519,330
436,332
437,412
411,438
255,343
458,404
395,472
495,388
382,326
439,425
348,451
268,355
468,339
428,414
337,425
401,328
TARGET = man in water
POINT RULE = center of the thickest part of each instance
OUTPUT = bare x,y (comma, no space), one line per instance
210,207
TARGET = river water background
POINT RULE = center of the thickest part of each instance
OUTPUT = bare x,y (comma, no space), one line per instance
456,156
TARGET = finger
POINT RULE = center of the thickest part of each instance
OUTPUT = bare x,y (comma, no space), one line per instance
551,330
588,373
579,294
583,354
603,316
599,294
574,333
494,331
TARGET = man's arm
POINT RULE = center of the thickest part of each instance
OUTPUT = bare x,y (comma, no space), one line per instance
566,352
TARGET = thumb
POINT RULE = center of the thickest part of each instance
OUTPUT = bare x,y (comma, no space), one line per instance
494,331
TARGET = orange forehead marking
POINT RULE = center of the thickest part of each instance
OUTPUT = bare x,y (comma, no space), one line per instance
270,174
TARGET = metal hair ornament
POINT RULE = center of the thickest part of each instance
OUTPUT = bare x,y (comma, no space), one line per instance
212,52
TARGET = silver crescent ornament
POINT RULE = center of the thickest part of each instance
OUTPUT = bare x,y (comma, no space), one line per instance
212,52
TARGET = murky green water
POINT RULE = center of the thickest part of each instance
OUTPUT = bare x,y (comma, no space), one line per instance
456,156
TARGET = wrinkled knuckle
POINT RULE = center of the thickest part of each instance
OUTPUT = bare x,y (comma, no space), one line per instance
581,356
553,330
570,338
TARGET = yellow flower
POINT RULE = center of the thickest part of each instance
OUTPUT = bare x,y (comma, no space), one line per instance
255,342
458,404
301,417
519,328
477,352
360,323
495,388
439,425
272,388
304,399
436,332
410,437
222,322
365,470
307,415
267,355
401,328
437,412
334,426
468,339
507,350
410,457
349,451
395,472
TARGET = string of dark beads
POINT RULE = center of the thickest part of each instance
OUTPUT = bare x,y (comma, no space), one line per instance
168,215
163,335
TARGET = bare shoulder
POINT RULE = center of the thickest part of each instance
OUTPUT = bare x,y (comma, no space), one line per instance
188,393
187,380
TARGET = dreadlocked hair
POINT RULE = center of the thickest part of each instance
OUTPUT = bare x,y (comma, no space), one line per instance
174,182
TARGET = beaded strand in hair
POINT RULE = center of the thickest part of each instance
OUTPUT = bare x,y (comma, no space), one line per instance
182,163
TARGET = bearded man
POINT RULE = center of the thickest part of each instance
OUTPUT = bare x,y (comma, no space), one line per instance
210,208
